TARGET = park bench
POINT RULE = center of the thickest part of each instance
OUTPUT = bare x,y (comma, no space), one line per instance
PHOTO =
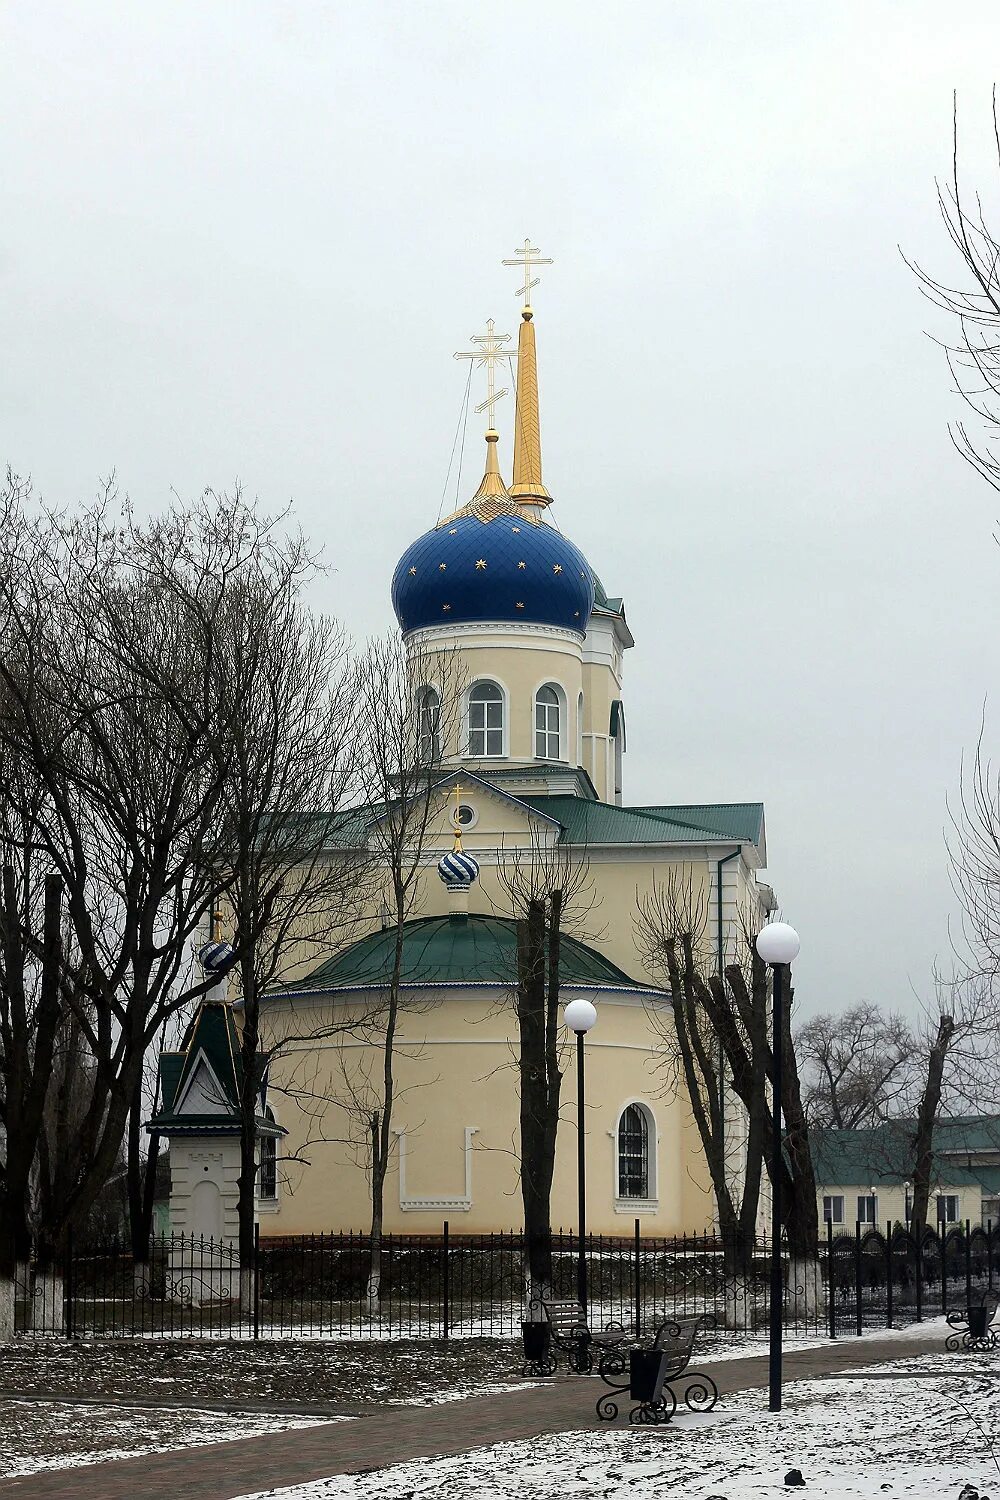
647,1373
972,1325
568,1333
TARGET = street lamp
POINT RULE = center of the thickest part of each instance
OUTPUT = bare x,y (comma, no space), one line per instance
580,1016
778,945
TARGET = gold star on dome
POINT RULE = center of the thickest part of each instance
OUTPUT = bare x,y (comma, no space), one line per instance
521,565
576,614
413,572
557,567
515,528
445,608
519,606
442,567
453,531
481,563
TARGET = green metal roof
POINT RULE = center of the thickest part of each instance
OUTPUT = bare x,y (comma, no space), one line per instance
477,950
884,1154
595,823
214,1033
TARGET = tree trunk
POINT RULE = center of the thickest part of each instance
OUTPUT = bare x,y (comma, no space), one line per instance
923,1140
539,1103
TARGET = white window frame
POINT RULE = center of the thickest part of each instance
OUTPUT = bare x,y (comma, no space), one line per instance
651,1203
946,1199
548,733
833,1208
487,729
870,1201
434,733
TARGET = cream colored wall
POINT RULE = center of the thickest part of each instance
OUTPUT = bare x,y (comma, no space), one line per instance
457,1070
892,1203
455,1061
521,661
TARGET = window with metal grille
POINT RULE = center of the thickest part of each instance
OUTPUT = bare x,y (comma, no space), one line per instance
486,719
267,1185
547,726
633,1153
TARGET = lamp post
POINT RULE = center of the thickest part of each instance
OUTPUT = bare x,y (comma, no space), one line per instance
778,945
580,1016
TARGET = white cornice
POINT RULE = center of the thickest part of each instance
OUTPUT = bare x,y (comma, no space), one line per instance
467,633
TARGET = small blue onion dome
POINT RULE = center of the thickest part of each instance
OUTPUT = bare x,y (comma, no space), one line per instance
216,958
505,568
458,868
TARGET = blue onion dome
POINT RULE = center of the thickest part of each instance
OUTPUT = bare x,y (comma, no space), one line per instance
216,958
458,869
493,562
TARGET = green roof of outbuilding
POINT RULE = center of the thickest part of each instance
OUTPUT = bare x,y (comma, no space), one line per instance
214,1033
884,1154
593,823
477,950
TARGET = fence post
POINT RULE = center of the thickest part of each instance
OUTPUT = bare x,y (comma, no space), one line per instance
859,1326
943,1243
256,1281
920,1277
888,1273
831,1279
68,1285
989,1253
968,1262
446,1289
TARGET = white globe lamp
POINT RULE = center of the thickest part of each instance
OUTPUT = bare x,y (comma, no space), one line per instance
777,943
579,1015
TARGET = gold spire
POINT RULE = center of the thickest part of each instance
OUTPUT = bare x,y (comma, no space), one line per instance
492,486
527,488
455,820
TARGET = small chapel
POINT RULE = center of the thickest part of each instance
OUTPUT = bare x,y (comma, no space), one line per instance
534,760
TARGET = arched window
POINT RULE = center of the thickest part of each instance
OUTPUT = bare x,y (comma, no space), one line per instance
429,726
486,719
267,1186
547,726
633,1153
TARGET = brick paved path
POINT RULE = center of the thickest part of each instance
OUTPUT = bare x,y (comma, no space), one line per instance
221,1471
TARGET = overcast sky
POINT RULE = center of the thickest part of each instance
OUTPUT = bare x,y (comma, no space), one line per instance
245,239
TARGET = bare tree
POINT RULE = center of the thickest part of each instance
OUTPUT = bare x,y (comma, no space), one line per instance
858,1066
549,891
711,1031
408,714
973,355
284,758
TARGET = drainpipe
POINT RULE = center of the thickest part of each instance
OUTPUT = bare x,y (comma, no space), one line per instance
720,950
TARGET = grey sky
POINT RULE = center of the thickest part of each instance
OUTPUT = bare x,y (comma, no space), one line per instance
245,239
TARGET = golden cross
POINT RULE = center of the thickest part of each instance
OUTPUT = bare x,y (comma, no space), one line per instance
486,356
527,257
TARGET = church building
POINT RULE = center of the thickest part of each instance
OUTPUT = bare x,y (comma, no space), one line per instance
532,766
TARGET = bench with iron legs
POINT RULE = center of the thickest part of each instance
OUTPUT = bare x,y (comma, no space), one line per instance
973,1324
646,1374
563,1328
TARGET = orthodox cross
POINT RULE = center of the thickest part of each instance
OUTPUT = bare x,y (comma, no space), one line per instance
527,257
490,351
456,820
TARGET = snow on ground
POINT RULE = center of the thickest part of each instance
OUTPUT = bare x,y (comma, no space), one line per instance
36,1435
896,1433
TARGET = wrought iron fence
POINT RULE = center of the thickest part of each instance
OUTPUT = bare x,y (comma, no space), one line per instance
468,1286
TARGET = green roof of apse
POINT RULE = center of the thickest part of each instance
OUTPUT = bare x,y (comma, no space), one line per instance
477,950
